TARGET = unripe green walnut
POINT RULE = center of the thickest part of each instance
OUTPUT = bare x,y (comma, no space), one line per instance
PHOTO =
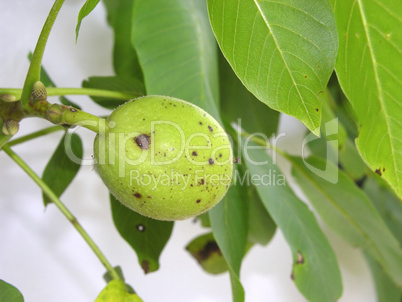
164,158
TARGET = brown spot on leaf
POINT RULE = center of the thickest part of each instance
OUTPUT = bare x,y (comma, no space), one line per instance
145,266
143,141
305,77
300,259
209,248
316,109
378,171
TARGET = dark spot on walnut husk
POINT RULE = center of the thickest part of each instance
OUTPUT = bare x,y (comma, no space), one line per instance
194,153
73,110
211,161
202,181
210,128
316,109
378,171
143,141
200,123
145,266
140,227
138,195
220,154
198,201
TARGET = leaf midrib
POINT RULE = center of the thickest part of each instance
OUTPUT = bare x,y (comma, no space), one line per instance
378,84
284,61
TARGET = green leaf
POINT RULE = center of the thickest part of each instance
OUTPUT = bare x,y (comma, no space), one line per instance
9,293
61,168
283,51
85,10
115,291
239,103
146,236
387,204
207,253
126,84
229,226
261,227
177,51
367,69
347,210
125,59
48,82
315,268
386,290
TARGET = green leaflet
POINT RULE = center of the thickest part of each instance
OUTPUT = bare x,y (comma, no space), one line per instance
177,51
120,17
207,253
369,47
229,225
315,269
239,103
115,291
387,291
85,10
346,209
283,51
146,236
9,293
63,165
126,84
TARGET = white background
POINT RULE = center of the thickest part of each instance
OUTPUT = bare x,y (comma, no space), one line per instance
43,255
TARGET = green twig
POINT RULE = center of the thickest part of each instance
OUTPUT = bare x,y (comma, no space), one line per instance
58,91
53,197
36,134
33,74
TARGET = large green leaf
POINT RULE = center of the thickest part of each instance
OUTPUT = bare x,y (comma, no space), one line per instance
85,10
387,205
346,209
9,293
229,225
61,169
370,75
283,51
125,84
261,227
315,268
125,60
146,236
386,290
239,103
177,51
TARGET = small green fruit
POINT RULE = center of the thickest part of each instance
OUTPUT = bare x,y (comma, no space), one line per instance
164,158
